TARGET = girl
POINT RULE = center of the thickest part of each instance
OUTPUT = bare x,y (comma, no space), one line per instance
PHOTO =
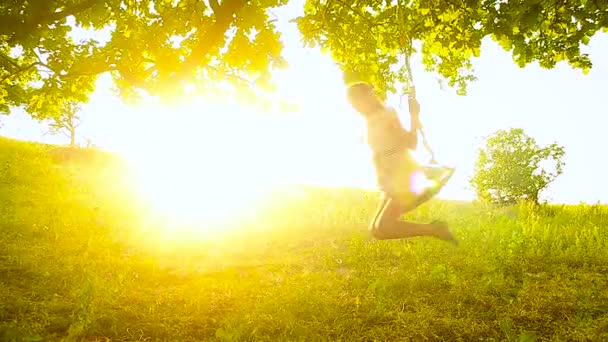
390,144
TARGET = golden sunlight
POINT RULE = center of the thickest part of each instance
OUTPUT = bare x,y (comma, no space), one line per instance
420,182
207,164
197,164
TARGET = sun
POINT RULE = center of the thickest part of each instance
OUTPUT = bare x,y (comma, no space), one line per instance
199,163
206,162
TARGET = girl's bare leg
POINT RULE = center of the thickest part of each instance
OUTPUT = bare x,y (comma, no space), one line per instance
386,225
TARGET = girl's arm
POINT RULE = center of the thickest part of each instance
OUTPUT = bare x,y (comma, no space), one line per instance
412,138
407,138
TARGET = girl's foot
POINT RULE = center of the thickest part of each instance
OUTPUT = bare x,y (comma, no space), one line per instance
442,231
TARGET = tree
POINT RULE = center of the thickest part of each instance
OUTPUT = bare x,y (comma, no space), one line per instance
160,48
366,37
67,122
165,48
509,168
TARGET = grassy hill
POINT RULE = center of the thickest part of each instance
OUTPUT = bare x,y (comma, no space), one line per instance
82,258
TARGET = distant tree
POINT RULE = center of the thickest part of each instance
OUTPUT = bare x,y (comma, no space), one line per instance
66,122
509,168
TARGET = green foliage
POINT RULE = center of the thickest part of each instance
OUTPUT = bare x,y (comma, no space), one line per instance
80,262
172,48
509,168
156,47
366,37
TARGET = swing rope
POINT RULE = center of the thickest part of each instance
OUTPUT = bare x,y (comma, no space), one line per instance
410,88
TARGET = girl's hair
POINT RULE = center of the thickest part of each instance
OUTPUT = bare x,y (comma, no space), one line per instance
355,90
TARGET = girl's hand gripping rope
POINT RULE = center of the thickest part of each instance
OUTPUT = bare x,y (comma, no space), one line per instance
414,108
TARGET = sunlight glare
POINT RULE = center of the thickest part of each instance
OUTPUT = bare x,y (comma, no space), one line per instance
198,167
205,165
420,182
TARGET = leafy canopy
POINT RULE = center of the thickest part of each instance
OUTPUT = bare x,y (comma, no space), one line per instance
157,47
163,47
509,168
366,37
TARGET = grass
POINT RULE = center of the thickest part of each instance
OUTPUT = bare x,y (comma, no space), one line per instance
82,260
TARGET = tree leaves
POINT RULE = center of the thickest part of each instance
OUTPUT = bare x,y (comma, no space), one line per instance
156,47
510,168
547,31
164,47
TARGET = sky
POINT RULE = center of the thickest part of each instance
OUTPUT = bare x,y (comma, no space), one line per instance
322,143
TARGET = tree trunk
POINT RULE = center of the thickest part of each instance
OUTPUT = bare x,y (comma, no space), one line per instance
72,137
535,198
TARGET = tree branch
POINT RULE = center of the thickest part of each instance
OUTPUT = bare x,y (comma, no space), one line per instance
215,6
41,63
73,10
359,13
19,68
10,60
231,75
212,38
48,19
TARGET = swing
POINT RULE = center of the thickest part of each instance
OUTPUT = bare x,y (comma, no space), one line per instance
438,175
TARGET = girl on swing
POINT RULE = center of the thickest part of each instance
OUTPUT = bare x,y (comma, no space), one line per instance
390,143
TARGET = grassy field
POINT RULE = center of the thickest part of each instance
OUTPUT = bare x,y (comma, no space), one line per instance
82,258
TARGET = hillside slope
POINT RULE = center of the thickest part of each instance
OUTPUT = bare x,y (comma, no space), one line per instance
83,259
